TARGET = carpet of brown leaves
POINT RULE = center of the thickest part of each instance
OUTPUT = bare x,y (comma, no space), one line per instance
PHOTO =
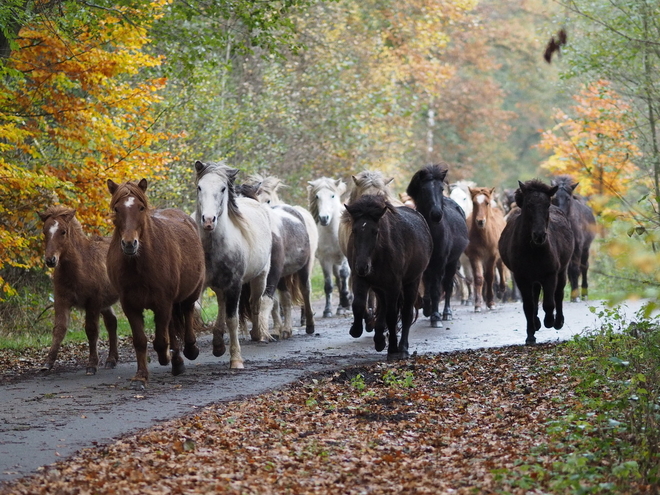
432,424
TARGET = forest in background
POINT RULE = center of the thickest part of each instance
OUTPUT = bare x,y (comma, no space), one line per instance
301,89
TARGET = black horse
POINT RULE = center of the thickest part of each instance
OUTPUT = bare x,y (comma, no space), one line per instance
449,231
583,224
388,251
537,244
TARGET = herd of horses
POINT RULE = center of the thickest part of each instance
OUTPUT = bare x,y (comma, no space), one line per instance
387,256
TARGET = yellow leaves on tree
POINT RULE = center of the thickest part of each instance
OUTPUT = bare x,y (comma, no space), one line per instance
81,113
597,146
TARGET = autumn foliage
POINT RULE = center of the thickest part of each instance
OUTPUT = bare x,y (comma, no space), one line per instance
76,111
596,146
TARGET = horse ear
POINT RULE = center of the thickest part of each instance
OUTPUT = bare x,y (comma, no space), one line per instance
391,179
518,195
112,186
143,185
553,190
354,179
68,216
199,166
341,186
492,190
443,174
574,186
232,173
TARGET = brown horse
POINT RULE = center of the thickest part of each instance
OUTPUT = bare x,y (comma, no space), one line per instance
80,281
155,262
485,225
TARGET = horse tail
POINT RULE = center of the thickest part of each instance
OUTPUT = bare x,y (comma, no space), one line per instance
294,287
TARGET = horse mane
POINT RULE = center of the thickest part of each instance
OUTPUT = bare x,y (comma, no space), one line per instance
315,186
436,171
370,179
60,211
247,190
534,185
229,174
127,189
368,205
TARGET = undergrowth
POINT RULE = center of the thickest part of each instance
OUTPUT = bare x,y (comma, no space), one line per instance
609,442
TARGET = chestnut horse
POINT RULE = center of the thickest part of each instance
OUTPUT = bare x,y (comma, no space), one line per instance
155,262
536,245
388,251
80,281
583,224
485,225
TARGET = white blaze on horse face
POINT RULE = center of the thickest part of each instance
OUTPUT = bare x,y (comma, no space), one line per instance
53,228
481,199
130,201
211,193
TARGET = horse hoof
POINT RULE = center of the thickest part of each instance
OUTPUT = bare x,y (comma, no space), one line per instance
47,367
138,384
436,323
559,322
236,364
397,356
91,370
328,314
178,368
530,341
286,335
477,309
110,365
355,331
575,299
549,321
309,329
219,350
191,351
447,316
379,342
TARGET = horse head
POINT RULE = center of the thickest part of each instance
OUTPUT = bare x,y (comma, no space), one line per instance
365,214
215,193
131,208
564,196
59,222
324,197
482,198
534,199
426,189
370,182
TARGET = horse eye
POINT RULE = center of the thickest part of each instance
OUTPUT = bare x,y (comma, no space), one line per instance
199,188
333,196
224,189
116,210
268,202
63,232
141,208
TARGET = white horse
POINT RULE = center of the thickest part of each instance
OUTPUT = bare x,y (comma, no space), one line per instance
237,240
298,259
459,191
324,196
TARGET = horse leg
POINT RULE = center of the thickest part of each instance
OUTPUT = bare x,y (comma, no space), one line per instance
549,288
436,293
92,331
279,306
62,313
344,293
232,297
478,274
136,320
220,326
162,322
261,304
110,321
176,331
371,314
448,287
427,304
489,277
501,286
286,328
584,268
360,289
573,276
407,314
326,266
190,349
530,308
559,300
391,308
306,289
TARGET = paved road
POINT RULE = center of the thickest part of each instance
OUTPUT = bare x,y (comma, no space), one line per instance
46,419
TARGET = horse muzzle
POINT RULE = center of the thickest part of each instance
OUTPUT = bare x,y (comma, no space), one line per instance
130,248
324,220
539,238
208,223
363,270
481,223
51,262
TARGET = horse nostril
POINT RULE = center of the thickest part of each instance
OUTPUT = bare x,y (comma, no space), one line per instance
51,262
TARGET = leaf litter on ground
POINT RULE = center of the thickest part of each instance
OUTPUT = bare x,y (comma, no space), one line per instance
432,424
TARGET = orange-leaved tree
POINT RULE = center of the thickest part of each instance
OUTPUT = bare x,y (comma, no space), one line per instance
597,146
75,110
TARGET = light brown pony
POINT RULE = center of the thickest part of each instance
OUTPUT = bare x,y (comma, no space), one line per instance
485,225
80,281
155,262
